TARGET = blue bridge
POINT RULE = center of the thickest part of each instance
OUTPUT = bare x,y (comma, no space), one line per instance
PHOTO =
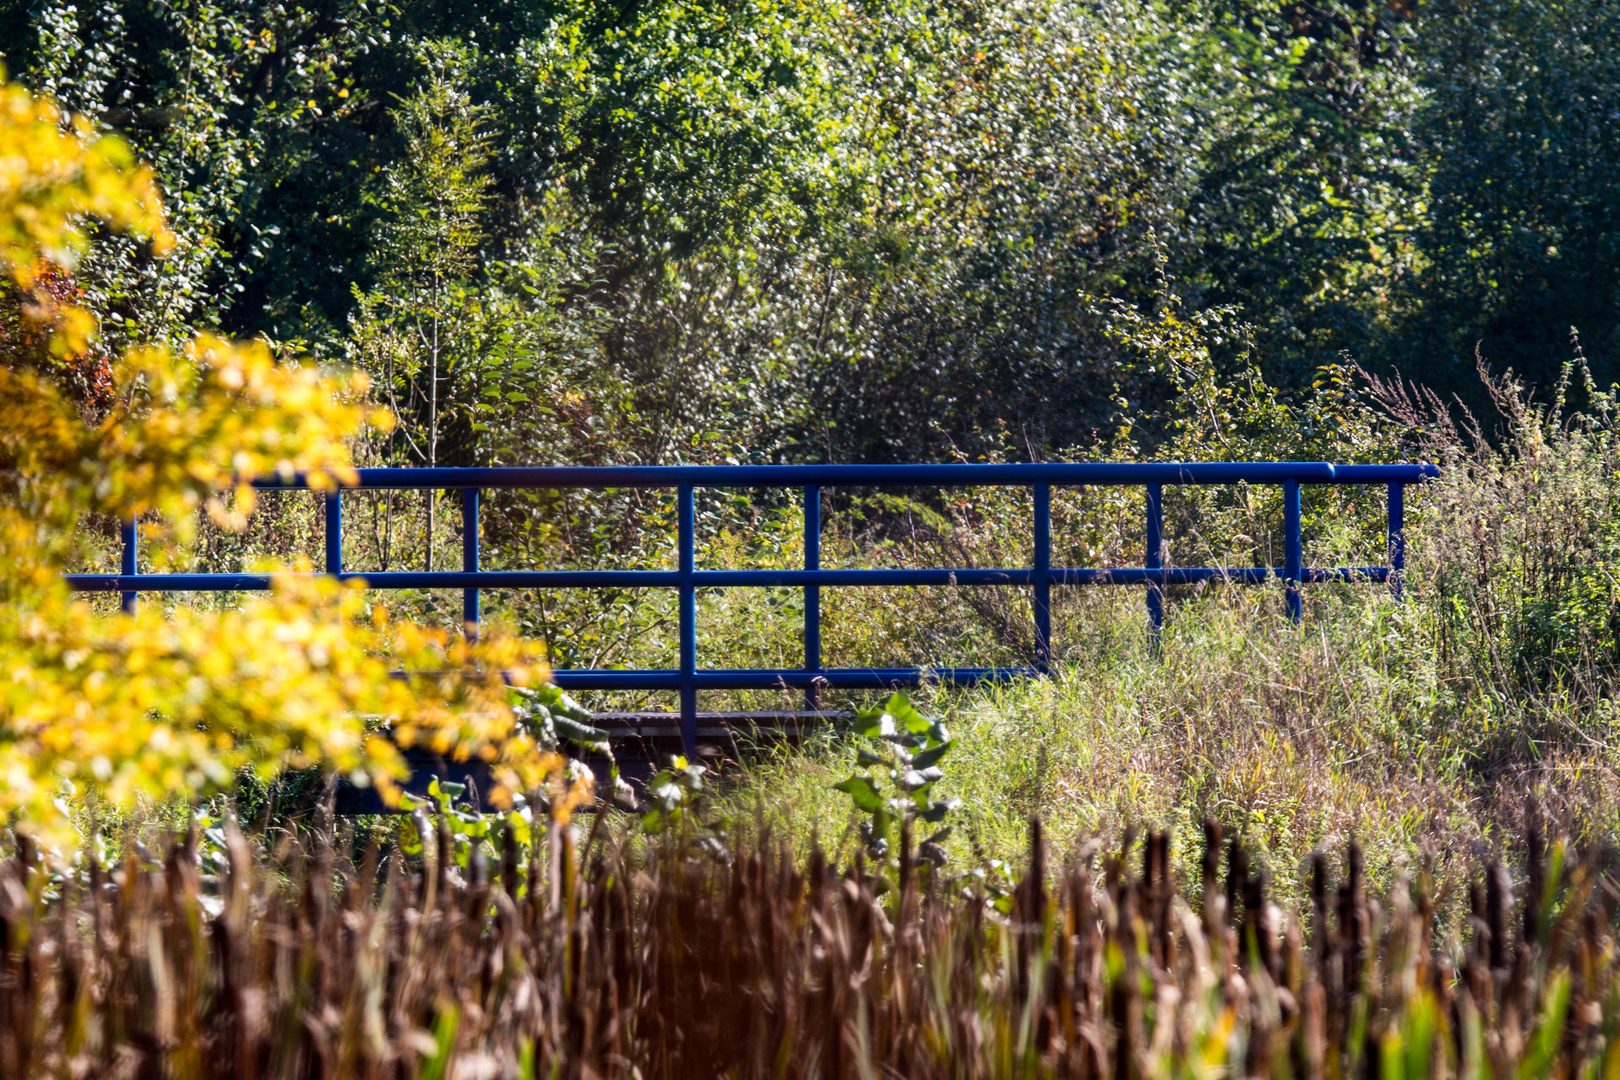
688,679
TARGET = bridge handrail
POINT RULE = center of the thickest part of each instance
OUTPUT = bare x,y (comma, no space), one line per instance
688,679
1089,473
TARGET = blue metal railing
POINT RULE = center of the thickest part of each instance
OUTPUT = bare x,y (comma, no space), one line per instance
688,678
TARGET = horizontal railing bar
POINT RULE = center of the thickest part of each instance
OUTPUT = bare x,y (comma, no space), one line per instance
716,579
1379,474
669,476
777,678
393,579
720,579
1379,574
1233,575
686,679
673,718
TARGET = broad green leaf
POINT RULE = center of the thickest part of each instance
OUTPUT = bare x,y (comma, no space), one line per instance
860,789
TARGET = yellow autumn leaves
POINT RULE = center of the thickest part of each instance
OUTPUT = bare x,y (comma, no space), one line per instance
56,174
178,704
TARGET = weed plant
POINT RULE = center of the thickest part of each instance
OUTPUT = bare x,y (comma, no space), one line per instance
684,957
1424,727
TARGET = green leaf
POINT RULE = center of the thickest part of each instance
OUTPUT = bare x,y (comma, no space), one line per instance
569,728
915,779
860,789
927,759
904,714
874,724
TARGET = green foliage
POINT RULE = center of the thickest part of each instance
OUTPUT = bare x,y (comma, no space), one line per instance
1519,237
1426,727
445,968
815,231
408,325
898,769
673,793
449,819
1310,188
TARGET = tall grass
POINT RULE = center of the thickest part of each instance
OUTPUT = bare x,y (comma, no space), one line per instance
1425,728
702,959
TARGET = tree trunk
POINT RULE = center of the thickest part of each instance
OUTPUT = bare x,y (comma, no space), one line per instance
433,425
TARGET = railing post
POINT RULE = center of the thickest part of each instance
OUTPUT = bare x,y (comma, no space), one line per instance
1155,560
129,533
812,593
334,532
469,559
1397,540
1293,549
686,566
1043,574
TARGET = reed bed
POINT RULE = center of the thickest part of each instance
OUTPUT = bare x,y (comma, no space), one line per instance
597,958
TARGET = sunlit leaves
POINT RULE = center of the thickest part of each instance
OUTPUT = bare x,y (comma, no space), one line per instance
179,704
56,174
900,768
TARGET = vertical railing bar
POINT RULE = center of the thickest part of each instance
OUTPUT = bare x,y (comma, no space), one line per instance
1293,549
1155,561
686,565
469,560
1396,547
128,564
812,593
334,532
1043,577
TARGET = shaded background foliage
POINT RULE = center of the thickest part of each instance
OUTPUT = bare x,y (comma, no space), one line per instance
876,230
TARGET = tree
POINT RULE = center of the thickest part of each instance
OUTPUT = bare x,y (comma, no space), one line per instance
1522,237
176,705
431,236
480,357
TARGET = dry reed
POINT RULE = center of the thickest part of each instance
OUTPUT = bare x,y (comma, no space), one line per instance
690,960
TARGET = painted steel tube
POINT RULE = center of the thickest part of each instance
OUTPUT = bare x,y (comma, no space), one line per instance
1380,474
1395,539
1169,575
333,533
1154,559
812,593
129,561
1319,574
721,579
394,579
1234,575
610,679
686,546
1293,549
707,579
469,558
1041,601
725,476
775,678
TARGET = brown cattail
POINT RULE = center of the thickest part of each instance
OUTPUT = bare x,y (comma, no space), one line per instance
1237,885
509,860
1498,909
1535,867
678,956
1354,920
1209,881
